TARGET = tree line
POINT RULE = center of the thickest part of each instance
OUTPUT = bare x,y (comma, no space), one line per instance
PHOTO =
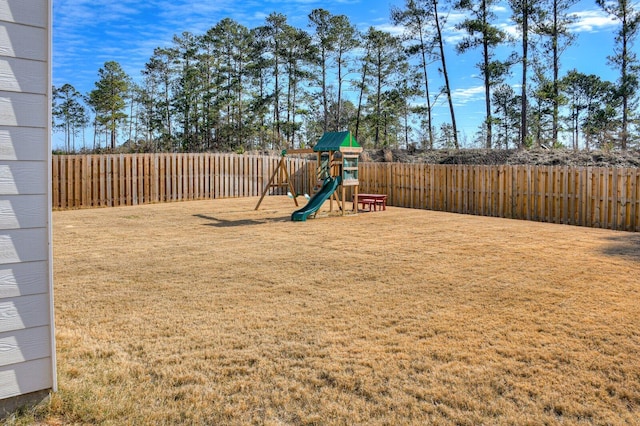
236,89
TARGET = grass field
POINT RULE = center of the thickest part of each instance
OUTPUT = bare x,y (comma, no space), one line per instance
209,312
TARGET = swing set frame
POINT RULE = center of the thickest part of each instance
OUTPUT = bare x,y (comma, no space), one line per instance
282,169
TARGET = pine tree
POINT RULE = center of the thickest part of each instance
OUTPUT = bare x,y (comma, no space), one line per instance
589,101
439,23
158,81
108,98
556,28
416,19
526,13
187,87
346,37
320,21
483,34
69,113
272,36
385,61
298,53
224,64
505,106
624,58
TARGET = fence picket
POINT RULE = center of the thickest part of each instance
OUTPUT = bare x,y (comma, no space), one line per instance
63,183
634,200
55,182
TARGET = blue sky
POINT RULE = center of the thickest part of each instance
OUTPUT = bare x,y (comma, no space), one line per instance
87,33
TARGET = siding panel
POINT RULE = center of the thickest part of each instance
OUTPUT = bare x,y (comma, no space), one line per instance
22,109
23,178
19,41
23,245
22,279
30,12
24,345
20,379
24,312
18,143
22,75
26,211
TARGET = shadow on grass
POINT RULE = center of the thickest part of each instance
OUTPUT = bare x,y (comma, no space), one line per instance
224,223
624,245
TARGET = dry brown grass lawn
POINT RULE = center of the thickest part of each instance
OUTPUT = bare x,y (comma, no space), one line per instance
210,312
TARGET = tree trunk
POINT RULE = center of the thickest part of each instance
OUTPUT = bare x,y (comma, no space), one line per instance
525,46
360,98
556,66
625,94
446,76
423,52
487,81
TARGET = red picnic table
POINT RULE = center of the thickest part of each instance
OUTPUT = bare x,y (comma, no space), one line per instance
373,201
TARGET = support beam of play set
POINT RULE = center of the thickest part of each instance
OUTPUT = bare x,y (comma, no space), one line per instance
298,151
283,166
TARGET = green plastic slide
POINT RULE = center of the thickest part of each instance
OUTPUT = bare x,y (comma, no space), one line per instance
318,199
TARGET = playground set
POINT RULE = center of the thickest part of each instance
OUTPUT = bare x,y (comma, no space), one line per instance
337,169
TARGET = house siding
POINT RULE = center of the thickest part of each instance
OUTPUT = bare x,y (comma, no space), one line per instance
27,345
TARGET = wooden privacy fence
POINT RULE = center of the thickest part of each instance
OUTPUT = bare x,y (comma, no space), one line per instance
585,196
81,181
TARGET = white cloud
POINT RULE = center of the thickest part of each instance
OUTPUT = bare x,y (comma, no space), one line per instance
454,18
396,30
467,95
592,21
453,37
511,29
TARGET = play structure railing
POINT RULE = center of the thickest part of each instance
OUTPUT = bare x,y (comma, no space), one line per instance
585,196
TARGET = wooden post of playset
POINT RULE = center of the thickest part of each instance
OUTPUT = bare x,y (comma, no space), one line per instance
284,180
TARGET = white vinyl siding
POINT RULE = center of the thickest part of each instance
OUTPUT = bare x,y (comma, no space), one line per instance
29,12
16,379
22,178
25,345
30,139
21,110
22,279
31,72
23,211
27,348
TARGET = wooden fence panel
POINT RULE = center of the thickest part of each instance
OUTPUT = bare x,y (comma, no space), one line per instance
584,196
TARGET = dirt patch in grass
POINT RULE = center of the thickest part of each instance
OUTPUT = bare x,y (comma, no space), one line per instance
210,312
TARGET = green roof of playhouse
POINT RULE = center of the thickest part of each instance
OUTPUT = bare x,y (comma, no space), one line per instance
337,141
